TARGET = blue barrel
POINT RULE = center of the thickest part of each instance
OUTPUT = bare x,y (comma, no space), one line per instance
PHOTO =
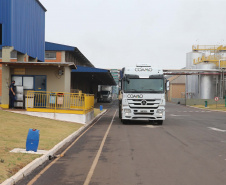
32,140
101,107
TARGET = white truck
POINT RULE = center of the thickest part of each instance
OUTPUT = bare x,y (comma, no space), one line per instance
104,93
142,94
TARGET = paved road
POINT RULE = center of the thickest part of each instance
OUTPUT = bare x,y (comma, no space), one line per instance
189,149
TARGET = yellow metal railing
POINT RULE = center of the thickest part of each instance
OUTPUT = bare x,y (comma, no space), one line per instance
213,59
208,47
59,101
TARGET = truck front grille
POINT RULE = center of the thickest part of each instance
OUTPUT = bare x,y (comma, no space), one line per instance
150,103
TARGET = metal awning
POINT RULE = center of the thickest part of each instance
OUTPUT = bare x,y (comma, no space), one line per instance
53,64
102,76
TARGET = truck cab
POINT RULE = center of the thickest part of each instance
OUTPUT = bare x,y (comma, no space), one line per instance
142,95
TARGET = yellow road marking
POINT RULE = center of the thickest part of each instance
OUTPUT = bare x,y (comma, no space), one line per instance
91,171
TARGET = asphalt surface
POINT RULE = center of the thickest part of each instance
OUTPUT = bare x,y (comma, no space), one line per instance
188,149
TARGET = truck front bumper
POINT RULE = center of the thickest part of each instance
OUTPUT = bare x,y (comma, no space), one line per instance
143,114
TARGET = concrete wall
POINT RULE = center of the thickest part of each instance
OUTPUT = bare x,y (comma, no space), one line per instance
76,118
191,102
67,79
6,79
54,83
178,100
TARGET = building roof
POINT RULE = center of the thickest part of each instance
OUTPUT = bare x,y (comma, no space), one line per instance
50,46
102,76
41,5
81,69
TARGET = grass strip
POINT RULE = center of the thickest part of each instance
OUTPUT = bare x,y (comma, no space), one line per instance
13,134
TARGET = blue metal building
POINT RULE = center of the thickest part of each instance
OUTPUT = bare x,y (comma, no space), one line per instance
22,25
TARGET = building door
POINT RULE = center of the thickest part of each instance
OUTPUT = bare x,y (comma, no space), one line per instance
40,83
40,94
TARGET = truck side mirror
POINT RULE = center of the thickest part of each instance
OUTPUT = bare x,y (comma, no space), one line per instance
166,85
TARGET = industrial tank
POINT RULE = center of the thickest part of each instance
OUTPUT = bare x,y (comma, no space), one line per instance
192,85
207,84
190,57
192,80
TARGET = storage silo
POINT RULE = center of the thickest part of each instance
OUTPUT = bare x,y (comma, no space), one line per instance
190,57
192,80
207,84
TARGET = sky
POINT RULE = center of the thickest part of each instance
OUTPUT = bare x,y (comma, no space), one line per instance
116,33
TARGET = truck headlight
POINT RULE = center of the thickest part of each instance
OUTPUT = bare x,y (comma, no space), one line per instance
160,111
127,110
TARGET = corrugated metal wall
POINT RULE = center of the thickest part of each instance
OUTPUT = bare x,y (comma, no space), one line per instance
23,24
5,19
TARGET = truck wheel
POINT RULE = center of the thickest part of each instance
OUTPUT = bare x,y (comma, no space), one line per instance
160,122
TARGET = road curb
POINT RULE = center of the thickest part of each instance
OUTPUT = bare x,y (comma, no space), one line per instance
39,161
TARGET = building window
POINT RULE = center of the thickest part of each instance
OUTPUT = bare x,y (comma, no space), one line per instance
26,81
0,34
36,82
0,54
50,55
18,80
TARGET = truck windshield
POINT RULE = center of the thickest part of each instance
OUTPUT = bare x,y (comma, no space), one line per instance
144,85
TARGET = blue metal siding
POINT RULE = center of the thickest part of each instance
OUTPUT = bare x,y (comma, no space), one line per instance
5,20
23,24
